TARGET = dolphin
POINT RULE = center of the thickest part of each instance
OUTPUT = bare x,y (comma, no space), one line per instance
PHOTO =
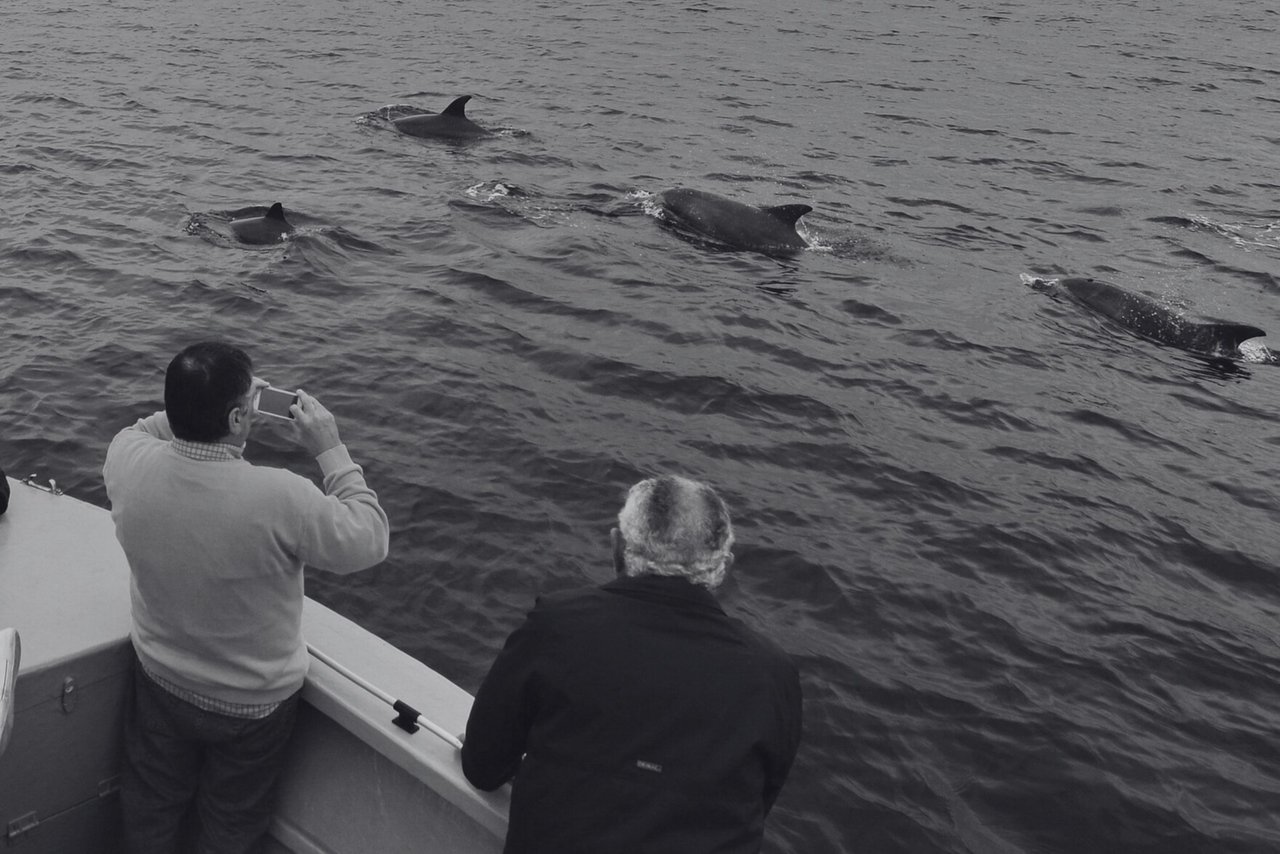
771,230
1152,319
271,227
450,123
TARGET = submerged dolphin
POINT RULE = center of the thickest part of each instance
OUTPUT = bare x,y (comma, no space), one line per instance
271,227
1153,319
450,123
734,224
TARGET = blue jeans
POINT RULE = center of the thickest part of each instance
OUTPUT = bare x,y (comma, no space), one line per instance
197,781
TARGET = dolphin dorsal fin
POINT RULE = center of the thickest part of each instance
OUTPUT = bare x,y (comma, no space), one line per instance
1237,333
457,108
790,214
276,212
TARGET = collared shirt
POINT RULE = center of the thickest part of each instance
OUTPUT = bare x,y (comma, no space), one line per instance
210,452
210,704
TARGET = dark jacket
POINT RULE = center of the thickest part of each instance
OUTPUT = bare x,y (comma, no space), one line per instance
648,721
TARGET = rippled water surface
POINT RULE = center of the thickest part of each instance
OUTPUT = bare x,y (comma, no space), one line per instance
1025,558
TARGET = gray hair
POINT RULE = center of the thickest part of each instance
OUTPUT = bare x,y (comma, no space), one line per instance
671,525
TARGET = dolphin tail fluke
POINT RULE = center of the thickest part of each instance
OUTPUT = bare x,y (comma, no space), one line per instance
790,214
276,212
458,108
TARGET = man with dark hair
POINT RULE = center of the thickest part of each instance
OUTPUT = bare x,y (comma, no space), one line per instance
637,717
216,548
202,385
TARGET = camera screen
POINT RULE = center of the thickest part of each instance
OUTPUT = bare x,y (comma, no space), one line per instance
273,401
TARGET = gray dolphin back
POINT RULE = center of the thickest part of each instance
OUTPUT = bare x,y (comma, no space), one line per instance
451,123
270,227
771,230
1153,319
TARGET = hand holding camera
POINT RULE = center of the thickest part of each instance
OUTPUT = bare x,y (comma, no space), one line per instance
311,424
314,426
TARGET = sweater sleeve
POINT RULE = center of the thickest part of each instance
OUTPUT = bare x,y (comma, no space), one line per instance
156,424
345,529
498,726
127,441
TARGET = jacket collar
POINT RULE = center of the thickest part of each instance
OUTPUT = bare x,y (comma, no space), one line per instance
670,590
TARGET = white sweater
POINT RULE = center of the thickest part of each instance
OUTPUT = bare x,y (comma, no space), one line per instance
216,549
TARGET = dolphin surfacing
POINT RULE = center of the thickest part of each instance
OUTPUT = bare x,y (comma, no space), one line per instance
450,123
271,227
771,230
1152,319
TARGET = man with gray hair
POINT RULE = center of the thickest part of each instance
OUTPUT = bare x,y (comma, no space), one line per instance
637,716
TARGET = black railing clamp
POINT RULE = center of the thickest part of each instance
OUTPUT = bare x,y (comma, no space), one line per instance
406,716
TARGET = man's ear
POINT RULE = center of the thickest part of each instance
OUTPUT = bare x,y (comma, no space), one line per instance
619,547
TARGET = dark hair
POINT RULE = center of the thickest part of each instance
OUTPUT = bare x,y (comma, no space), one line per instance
202,385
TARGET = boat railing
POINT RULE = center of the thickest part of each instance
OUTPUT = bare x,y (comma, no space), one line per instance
407,717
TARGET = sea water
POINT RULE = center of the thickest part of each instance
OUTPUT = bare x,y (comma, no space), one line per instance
1025,559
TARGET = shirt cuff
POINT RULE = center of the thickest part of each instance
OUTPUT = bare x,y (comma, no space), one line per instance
335,459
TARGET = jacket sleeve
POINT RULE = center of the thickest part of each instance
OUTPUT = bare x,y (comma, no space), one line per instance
345,529
790,717
498,727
